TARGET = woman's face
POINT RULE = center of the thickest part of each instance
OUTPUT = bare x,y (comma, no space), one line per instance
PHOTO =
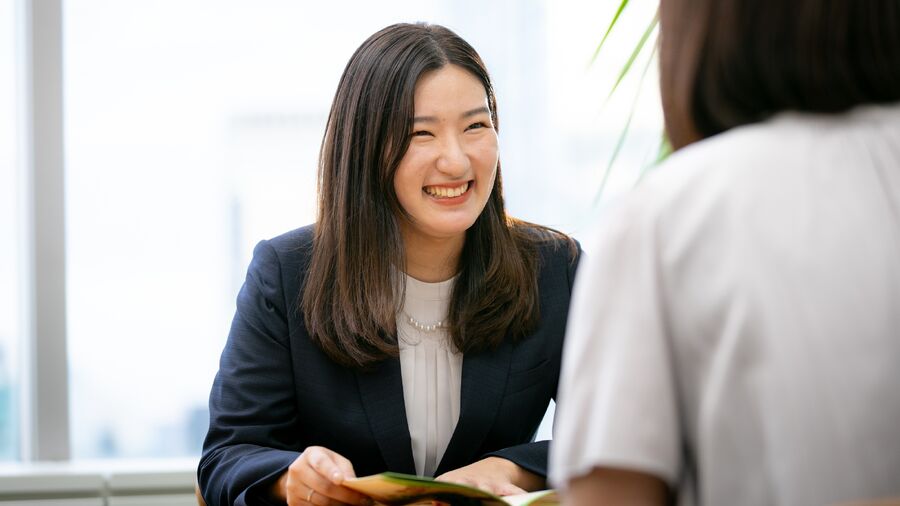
446,175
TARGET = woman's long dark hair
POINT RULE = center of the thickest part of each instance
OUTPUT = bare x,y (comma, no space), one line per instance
354,286
726,63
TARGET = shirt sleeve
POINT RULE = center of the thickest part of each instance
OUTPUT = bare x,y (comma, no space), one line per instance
253,414
533,456
617,402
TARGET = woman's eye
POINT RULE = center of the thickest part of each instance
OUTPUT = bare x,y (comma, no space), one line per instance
477,125
420,133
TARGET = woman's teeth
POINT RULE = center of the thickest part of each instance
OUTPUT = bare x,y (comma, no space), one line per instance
444,192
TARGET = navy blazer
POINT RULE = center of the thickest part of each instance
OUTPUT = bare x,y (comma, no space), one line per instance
277,393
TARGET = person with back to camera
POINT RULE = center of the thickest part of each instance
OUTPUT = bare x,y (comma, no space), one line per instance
735,334
415,327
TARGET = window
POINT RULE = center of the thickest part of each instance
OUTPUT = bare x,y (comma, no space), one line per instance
185,146
192,131
10,256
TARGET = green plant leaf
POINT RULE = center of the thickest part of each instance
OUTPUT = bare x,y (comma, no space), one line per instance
634,53
665,149
624,134
608,30
663,152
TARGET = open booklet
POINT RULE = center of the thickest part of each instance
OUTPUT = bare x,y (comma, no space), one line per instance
396,489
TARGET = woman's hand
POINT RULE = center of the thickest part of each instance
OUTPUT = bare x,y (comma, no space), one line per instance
495,475
315,477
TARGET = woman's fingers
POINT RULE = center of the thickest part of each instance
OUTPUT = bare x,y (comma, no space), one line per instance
497,487
500,488
507,489
496,475
321,470
322,462
332,465
345,467
297,497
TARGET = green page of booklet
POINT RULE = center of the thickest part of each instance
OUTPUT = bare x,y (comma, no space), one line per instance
396,489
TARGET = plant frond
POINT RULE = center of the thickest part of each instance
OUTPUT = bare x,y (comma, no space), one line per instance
608,30
624,134
663,152
634,53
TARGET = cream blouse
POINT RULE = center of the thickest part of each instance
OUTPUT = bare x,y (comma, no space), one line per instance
735,331
431,371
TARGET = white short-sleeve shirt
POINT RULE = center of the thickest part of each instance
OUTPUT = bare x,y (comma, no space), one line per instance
735,328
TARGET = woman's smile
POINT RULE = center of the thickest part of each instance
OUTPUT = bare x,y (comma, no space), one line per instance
449,194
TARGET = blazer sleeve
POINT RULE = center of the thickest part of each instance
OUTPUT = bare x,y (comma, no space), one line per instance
533,456
252,406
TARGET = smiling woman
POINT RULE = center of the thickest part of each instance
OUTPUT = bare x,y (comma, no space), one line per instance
446,176
402,330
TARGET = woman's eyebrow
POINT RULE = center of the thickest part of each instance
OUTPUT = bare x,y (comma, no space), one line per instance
467,114
476,111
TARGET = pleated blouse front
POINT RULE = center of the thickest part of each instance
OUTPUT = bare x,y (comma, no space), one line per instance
431,370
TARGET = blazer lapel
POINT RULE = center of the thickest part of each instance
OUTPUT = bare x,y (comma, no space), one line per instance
382,395
483,383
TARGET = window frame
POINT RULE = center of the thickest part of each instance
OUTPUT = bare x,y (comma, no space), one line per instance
44,405
44,427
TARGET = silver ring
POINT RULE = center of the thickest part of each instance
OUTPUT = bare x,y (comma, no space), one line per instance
309,495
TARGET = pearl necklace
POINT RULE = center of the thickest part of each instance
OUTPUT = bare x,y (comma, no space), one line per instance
423,327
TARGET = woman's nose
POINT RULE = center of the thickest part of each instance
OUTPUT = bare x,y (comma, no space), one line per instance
453,159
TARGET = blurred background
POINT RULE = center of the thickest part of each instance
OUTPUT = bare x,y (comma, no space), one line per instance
190,131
